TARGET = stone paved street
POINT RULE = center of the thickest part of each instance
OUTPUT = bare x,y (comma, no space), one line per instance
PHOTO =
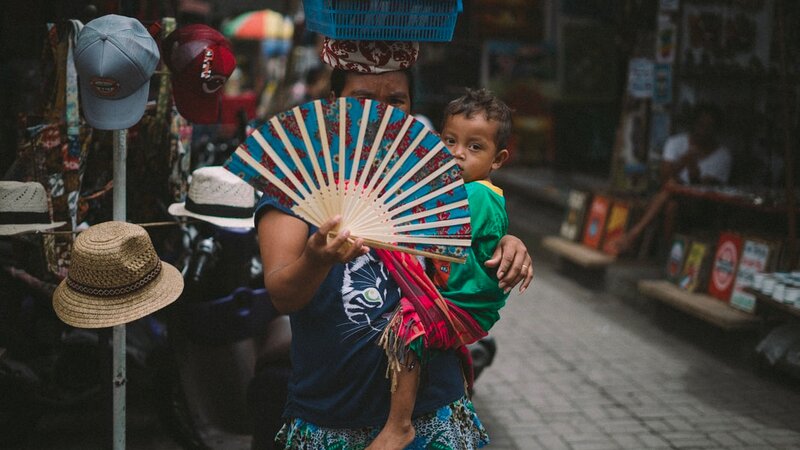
579,368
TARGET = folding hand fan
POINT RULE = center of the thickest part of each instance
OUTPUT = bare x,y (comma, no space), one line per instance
393,181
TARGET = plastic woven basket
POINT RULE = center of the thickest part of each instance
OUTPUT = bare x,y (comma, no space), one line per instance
384,20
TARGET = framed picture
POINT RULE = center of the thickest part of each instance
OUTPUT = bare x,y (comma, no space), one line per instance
596,221
572,225
616,226
725,265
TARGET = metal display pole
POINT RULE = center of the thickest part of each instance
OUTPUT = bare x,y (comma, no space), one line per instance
119,338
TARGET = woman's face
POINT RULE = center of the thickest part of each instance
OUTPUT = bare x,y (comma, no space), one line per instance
389,87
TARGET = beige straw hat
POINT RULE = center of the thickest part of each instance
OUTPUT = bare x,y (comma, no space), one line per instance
115,277
218,197
23,208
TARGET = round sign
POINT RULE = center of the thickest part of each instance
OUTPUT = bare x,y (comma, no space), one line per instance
724,266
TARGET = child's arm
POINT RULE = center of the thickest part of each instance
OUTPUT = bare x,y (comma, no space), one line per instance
399,431
295,265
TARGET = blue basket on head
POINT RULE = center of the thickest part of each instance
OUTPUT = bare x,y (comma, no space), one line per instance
384,20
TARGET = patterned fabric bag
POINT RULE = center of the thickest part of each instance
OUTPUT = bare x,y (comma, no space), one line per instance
54,150
159,152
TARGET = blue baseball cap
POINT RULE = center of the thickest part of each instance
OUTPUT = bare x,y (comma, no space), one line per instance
115,56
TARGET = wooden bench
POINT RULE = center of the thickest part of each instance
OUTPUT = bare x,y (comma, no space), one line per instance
702,306
577,253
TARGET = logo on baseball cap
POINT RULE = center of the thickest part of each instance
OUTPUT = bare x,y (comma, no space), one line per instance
201,60
115,57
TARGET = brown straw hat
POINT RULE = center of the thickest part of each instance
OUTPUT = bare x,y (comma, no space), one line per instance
115,277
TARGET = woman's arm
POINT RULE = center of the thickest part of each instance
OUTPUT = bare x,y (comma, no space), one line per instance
295,265
514,264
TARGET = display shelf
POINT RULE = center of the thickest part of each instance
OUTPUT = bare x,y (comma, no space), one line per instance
774,305
741,199
577,253
702,306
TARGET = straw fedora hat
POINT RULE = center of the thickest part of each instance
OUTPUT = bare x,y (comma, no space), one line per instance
115,277
218,197
23,208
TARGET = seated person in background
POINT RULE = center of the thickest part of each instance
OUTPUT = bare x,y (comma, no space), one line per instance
695,157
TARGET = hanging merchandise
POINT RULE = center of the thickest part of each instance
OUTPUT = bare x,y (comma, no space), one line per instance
201,60
180,130
158,154
23,208
218,197
115,277
115,58
54,144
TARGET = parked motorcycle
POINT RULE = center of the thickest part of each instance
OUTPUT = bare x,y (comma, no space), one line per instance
218,328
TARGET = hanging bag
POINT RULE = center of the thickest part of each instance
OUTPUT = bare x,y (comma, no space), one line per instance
53,149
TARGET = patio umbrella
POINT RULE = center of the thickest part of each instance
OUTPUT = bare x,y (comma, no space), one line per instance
259,25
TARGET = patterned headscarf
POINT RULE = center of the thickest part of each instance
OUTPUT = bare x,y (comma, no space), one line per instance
369,56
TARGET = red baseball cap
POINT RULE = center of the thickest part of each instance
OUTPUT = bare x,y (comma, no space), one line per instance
201,60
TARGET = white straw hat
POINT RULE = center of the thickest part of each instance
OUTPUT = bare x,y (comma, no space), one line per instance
218,197
114,277
23,208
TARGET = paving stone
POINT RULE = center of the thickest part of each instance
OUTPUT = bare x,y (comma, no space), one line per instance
692,443
595,445
626,441
551,442
651,440
622,426
748,437
679,424
725,439
657,425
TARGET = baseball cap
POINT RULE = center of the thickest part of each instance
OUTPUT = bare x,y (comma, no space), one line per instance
115,57
201,60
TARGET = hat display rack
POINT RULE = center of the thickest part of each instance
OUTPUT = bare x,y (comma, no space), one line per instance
100,86
116,58
119,334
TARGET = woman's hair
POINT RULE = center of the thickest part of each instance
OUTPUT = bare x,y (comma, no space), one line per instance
339,76
476,101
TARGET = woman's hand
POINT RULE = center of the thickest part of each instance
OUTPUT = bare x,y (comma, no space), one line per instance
327,248
514,264
296,264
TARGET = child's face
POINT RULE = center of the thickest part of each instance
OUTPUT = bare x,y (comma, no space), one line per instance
472,142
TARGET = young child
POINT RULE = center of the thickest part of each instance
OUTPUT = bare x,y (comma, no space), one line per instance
476,129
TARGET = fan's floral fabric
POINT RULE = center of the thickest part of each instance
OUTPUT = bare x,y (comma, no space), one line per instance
319,155
369,56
